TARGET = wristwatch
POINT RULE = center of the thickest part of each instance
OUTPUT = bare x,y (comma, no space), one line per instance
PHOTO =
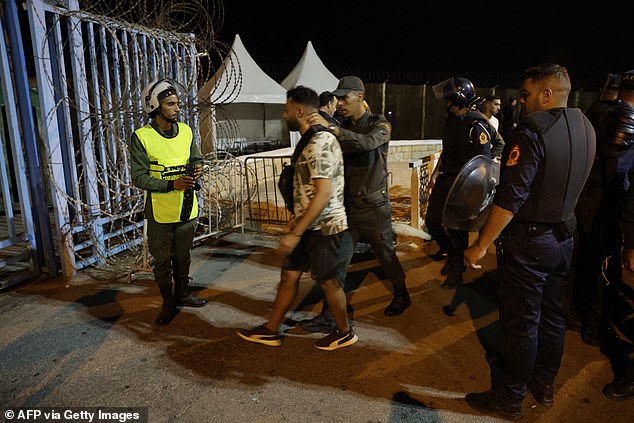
332,127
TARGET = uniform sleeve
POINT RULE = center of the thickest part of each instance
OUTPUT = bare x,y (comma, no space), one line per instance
195,155
354,142
480,137
525,155
140,168
497,145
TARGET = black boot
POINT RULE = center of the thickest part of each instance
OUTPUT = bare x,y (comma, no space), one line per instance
543,394
399,303
453,280
495,402
620,389
168,312
184,297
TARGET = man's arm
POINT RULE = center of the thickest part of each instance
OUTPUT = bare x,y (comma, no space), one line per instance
323,190
354,142
497,146
496,222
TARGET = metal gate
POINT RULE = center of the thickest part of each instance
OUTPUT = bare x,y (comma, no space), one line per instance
90,70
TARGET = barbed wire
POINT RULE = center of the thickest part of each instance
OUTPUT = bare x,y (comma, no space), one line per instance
103,55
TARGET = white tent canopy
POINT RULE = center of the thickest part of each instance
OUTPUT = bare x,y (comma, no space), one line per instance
246,104
311,72
241,80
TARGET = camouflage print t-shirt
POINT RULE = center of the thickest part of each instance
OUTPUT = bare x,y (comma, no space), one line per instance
321,158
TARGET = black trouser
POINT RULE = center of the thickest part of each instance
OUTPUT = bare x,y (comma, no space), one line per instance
533,271
374,225
453,241
170,245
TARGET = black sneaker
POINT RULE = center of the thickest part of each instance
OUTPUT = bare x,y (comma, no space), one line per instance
319,323
261,335
337,339
543,394
495,402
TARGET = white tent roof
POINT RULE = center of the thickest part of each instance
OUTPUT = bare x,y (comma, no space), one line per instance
311,72
241,80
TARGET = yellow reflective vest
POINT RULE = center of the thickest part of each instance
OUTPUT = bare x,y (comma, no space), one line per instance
168,159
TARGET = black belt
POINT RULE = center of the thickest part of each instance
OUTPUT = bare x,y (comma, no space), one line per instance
529,228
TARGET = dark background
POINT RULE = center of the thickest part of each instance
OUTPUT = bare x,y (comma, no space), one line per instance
416,42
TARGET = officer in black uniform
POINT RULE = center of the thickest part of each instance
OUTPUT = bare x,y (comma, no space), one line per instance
467,134
613,232
532,219
598,213
364,140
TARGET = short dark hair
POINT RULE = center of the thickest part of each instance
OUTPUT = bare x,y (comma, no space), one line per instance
558,74
492,97
303,95
325,98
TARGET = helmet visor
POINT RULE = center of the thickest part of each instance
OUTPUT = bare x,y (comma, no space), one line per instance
445,88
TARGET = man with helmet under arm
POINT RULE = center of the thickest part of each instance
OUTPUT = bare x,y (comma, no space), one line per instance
467,134
165,161
532,222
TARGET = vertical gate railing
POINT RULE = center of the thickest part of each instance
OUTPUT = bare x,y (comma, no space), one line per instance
90,71
18,247
265,203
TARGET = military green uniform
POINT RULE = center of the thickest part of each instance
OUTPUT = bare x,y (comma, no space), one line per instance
169,238
365,152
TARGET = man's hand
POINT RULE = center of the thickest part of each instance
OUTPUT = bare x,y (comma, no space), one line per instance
198,170
316,119
288,243
184,183
474,254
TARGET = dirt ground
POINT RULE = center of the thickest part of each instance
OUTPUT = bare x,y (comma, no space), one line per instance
91,342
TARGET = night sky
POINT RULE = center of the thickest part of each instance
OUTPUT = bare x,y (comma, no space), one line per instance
488,42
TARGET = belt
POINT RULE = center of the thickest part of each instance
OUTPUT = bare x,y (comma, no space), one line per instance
529,228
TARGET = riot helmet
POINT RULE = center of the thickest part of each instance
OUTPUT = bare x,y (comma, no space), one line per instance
458,90
611,87
154,92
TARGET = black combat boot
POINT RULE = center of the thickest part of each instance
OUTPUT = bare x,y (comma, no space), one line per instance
495,402
169,308
184,297
452,281
399,303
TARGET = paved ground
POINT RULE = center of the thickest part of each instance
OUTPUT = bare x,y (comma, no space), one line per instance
92,343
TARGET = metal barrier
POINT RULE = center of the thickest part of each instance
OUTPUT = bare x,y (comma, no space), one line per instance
266,205
221,197
422,170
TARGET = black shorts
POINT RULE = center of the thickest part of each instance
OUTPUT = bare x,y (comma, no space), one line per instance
326,256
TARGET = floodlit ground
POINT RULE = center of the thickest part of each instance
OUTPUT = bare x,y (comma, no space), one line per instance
92,342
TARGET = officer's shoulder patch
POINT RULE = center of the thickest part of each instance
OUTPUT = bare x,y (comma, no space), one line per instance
514,155
483,138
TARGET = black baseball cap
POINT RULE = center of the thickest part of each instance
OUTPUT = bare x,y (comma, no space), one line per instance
347,84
